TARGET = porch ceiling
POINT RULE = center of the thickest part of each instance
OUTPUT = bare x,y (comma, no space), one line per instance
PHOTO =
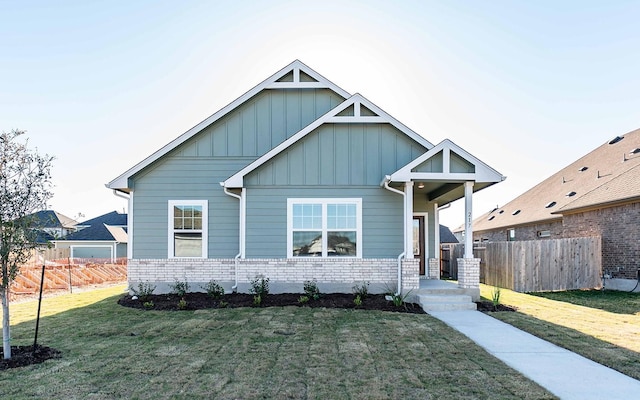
443,192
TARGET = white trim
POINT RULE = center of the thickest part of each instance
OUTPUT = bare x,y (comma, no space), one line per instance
324,202
130,227
121,182
205,226
237,180
483,172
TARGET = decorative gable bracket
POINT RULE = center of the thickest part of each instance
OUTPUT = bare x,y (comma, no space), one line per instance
447,162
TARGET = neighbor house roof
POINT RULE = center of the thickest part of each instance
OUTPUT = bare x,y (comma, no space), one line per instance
294,76
607,175
107,227
446,236
52,219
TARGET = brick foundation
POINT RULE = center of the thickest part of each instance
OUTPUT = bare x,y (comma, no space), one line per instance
332,274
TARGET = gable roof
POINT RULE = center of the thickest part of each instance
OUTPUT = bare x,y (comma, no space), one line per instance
107,227
446,236
604,176
296,75
52,219
355,109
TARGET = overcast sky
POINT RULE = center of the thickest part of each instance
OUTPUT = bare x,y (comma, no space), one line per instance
527,87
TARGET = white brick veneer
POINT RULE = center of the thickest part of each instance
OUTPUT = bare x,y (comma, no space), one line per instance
339,271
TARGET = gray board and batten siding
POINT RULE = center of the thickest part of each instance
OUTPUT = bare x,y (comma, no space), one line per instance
333,161
194,169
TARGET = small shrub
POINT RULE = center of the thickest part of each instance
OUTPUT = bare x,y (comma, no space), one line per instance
223,304
145,289
214,289
399,299
361,290
180,288
260,286
495,297
357,301
182,304
148,305
257,300
303,299
311,289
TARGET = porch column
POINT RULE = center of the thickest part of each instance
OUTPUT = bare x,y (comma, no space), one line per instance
469,267
434,262
408,210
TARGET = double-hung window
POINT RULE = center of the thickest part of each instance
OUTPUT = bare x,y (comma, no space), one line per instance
188,228
324,227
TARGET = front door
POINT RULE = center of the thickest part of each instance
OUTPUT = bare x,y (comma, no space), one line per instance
418,241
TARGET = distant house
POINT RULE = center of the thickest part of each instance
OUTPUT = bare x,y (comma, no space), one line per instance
101,238
596,195
51,225
297,180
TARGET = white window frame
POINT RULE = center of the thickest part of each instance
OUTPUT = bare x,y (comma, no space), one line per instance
324,202
205,226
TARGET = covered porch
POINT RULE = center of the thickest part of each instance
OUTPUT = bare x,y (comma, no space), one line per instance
431,182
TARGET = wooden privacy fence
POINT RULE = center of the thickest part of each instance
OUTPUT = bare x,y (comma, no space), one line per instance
538,265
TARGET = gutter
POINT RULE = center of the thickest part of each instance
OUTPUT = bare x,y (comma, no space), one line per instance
242,198
385,184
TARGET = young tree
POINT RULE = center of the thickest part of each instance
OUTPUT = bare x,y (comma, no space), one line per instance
25,187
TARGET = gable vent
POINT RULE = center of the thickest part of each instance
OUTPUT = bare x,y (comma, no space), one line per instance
516,212
571,194
550,204
615,140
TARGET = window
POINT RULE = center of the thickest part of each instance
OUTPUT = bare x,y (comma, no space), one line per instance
511,235
187,228
324,227
544,234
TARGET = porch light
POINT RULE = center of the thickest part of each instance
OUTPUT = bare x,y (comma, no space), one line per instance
421,185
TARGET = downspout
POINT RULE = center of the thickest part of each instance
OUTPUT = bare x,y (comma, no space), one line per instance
385,183
236,259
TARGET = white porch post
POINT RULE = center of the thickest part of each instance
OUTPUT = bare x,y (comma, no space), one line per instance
434,262
469,267
468,219
408,208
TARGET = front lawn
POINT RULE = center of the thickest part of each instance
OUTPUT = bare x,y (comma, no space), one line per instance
110,351
604,327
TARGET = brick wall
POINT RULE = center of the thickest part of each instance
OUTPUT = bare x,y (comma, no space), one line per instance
529,232
332,274
619,228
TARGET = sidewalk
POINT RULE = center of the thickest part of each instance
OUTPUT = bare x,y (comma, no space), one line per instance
565,374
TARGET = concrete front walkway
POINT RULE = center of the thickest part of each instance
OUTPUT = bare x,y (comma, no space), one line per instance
564,373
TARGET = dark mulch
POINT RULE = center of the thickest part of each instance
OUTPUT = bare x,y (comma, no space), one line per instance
198,301
487,306
24,355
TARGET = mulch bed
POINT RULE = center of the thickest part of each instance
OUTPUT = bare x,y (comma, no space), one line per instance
487,306
198,301
24,355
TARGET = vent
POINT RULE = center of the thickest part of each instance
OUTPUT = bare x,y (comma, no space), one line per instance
516,212
615,140
550,204
635,151
491,217
583,169
501,211
571,194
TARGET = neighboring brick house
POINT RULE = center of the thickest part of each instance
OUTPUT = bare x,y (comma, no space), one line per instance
597,195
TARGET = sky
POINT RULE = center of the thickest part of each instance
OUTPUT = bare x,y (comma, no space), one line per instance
526,86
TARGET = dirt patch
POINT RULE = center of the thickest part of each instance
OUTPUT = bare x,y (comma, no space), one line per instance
198,301
22,356
487,306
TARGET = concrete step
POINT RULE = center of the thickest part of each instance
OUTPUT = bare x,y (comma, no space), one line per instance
445,302
448,307
443,298
454,290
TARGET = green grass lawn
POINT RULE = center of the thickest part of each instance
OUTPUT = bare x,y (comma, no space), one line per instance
602,326
277,353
